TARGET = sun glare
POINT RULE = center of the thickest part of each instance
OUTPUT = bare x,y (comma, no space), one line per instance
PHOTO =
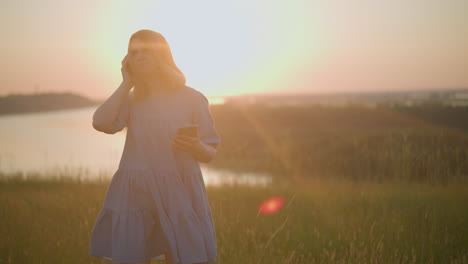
271,205
228,52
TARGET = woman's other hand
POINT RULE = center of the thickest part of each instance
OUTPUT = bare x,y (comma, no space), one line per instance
200,151
187,143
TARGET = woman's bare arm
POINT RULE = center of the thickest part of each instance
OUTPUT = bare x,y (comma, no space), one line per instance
205,153
105,114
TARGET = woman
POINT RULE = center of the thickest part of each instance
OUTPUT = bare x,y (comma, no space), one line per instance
156,204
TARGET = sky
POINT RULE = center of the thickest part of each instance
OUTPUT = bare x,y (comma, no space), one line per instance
234,47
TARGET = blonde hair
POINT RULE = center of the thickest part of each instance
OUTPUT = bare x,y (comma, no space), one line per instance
172,77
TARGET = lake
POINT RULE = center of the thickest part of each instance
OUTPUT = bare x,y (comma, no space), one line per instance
64,142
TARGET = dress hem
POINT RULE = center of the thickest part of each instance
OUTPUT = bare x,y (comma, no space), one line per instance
209,261
114,260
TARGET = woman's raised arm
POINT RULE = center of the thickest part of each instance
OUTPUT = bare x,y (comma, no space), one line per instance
105,116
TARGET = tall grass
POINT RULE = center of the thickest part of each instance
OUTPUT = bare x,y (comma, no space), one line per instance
50,221
351,143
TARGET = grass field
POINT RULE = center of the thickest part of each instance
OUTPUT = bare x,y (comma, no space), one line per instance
425,144
49,221
360,186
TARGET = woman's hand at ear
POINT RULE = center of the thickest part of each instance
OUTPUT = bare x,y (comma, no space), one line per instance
199,150
126,76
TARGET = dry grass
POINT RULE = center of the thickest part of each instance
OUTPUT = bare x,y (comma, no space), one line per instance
49,221
350,143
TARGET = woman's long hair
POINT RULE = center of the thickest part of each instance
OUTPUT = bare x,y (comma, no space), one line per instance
170,75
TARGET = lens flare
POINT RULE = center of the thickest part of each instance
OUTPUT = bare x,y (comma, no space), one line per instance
271,205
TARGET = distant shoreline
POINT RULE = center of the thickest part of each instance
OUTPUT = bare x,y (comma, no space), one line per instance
34,103
31,103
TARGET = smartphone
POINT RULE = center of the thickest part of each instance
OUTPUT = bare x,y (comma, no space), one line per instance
191,131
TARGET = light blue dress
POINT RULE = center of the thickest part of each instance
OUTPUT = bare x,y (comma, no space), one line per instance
156,200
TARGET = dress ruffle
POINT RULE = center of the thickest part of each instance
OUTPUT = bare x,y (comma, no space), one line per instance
137,221
113,241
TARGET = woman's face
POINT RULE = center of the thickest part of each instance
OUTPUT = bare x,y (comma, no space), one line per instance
142,58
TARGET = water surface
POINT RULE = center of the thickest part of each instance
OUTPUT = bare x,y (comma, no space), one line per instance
64,142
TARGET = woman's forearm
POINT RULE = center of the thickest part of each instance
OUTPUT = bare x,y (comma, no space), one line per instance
106,113
206,153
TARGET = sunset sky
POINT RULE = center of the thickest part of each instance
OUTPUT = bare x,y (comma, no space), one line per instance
230,47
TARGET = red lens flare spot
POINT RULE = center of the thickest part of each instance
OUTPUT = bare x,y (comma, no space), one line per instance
271,205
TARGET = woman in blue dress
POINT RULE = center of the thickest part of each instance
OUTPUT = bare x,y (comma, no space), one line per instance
156,205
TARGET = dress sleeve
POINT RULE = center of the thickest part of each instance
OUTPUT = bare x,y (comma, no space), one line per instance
122,118
204,120
108,126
